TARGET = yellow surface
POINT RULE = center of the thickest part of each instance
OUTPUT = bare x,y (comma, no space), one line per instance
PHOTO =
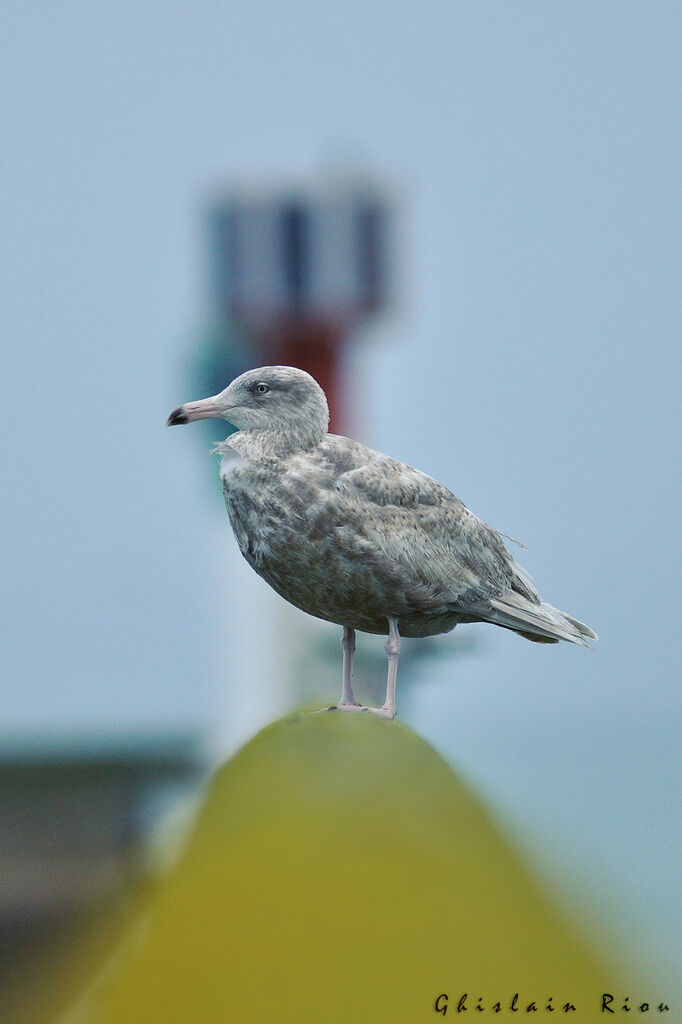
339,871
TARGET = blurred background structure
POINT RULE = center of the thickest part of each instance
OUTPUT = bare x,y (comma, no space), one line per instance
299,268
531,363
78,831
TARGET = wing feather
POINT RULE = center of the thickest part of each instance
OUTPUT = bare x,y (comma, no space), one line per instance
413,520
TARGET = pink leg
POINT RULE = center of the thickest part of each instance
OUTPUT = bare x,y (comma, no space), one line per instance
348,648
392,649
348,701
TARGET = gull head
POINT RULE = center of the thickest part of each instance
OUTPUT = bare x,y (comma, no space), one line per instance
277,399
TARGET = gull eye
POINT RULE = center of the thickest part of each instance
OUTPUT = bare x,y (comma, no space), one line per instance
262,389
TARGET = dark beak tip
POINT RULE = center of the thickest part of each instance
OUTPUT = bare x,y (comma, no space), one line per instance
177,416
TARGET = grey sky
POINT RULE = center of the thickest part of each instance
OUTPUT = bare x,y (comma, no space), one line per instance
534,367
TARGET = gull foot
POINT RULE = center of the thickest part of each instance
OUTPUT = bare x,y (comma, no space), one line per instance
381,712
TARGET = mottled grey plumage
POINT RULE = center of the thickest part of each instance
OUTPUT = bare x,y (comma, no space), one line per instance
353,536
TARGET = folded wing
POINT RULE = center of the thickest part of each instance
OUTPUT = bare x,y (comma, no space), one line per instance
459,560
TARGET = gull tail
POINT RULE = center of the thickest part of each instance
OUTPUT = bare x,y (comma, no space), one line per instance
538,622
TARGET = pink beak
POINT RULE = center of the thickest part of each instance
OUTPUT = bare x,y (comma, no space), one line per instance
205,409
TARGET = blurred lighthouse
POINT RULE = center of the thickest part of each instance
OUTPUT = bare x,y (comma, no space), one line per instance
300,267
295,270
